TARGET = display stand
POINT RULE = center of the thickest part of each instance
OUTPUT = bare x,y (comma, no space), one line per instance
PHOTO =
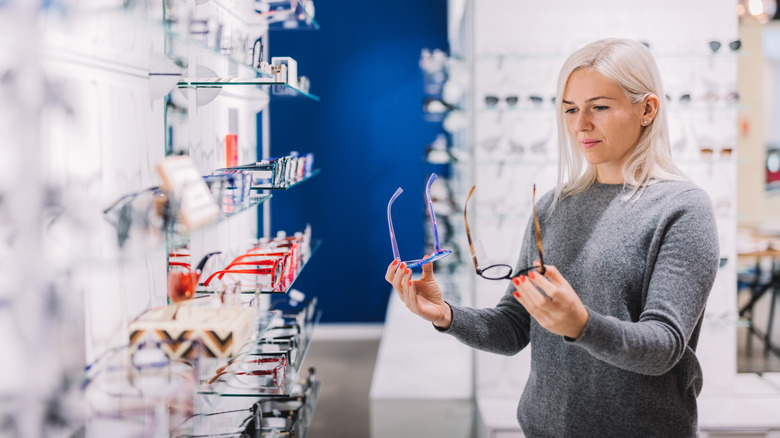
422,382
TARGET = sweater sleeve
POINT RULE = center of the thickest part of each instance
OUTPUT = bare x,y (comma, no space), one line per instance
682,265
503,329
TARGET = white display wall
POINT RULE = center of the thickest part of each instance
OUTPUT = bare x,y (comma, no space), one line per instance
86,121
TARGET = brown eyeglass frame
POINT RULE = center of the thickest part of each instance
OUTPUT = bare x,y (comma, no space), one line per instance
504,270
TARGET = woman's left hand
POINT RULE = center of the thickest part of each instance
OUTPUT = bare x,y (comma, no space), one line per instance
562,313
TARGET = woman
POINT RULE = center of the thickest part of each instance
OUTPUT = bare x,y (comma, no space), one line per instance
630,256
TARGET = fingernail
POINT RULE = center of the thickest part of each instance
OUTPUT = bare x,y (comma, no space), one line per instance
403,265
532,275
516,281
395,262
516,294
522,279
410,282
408,271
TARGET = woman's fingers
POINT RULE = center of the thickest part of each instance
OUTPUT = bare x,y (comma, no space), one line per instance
427,270
391,268
552,273
543,283
397,280
531,298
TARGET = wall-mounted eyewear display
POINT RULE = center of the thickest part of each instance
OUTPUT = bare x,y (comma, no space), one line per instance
437,253
503,271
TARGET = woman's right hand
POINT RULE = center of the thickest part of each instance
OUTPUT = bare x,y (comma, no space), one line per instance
423,296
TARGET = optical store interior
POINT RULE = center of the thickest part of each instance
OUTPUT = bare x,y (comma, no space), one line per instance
199,201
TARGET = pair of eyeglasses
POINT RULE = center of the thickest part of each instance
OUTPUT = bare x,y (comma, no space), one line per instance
276,373
491,100
437,253
280,361
502,271
733,45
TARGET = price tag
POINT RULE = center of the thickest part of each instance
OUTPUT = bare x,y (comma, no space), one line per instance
183,184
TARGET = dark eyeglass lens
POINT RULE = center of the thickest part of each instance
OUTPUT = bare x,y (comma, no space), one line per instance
491,100
685,98
535,99
735,45
714,46
497,272
511,100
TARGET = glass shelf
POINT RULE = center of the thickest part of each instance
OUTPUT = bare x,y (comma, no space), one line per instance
283,288
233,423
180,235
176,233
287,185
279,89
231,387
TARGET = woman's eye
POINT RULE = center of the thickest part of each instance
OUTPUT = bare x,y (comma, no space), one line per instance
570,110
600,107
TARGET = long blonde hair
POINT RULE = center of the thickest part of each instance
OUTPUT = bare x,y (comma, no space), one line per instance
631,65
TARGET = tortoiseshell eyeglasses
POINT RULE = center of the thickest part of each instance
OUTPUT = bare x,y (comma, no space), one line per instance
502,271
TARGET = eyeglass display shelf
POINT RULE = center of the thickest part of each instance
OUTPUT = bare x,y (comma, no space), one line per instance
284,186
111,374
233,431
234,422
180,234
280,89
282,290
291,379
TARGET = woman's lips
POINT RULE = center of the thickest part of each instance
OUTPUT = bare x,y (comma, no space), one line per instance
587,144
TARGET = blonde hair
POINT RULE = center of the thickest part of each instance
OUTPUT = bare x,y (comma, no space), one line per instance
631,65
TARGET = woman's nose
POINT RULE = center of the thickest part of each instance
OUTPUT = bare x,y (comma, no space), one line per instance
583,123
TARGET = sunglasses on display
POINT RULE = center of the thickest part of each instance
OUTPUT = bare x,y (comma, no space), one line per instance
733,45
437,253
502,271
491,101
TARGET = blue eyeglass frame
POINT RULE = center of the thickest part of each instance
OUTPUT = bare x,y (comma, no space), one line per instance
437,253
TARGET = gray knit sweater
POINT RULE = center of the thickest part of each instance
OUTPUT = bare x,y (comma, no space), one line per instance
644,271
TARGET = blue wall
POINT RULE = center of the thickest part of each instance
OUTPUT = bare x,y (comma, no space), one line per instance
368,135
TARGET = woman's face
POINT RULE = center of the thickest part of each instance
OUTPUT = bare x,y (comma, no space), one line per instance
603,121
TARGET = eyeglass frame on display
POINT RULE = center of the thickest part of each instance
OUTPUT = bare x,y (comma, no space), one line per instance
437,253
281,359
509,275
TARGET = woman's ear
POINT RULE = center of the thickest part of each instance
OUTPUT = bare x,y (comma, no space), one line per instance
650,107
